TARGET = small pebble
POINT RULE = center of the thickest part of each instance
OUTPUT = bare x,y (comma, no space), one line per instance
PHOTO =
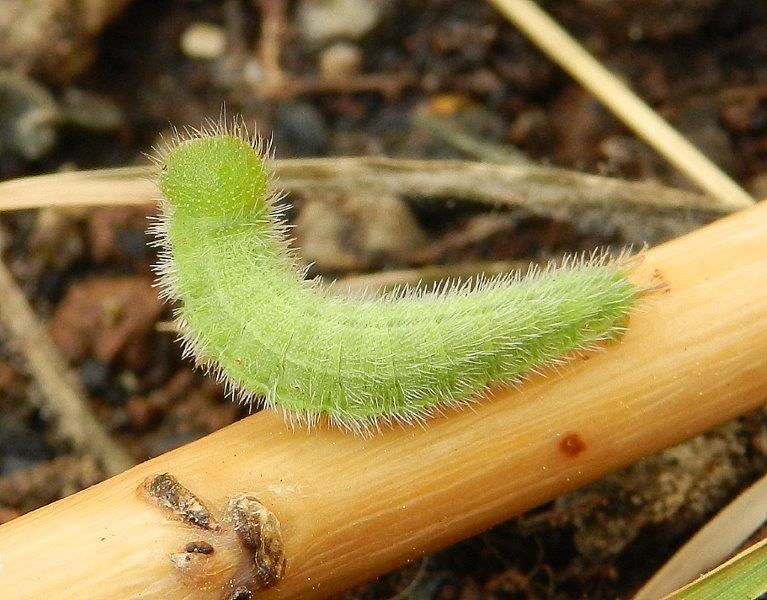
325,20
252,72
204,41
340,61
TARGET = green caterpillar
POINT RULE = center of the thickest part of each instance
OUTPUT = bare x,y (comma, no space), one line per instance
246,311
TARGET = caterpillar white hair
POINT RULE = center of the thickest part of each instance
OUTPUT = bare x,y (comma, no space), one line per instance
247,311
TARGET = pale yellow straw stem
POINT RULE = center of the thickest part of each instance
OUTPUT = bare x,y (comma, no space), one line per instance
624,103
351,508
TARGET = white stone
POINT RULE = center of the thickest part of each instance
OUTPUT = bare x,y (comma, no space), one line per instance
324,20
203,40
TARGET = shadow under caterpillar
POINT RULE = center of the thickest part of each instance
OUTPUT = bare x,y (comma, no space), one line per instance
247,311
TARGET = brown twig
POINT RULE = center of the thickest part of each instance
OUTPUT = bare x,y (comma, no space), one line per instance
272,27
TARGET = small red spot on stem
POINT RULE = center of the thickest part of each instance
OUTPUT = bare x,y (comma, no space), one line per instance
572,444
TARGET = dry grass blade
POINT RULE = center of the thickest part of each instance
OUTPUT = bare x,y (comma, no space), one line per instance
641,211
743,577
614,94
533,187
124,185
715,541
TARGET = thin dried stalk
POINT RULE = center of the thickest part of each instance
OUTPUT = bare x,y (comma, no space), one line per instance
532,187
743,576
625,104
643,211
351,508
715,542
64,401
272,27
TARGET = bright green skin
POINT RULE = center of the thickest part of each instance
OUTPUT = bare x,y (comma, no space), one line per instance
356,361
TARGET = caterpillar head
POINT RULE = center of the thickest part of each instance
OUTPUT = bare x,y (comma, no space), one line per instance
215,176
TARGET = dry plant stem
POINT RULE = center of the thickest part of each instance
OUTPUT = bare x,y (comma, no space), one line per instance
64,402
541,190
351,508
626,105
272,26
103,187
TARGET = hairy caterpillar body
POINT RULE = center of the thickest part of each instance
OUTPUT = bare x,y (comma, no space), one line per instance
246,311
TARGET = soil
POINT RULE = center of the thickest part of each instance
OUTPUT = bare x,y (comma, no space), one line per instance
420,69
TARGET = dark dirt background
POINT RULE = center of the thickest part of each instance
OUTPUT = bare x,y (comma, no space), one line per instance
405,76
